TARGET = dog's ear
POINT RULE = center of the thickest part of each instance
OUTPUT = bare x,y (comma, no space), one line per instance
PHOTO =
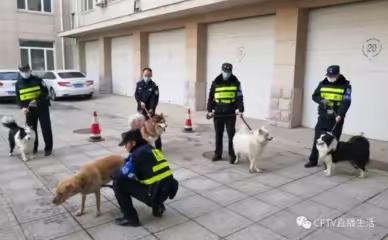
261,131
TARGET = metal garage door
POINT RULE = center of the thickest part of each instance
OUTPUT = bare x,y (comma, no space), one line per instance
356,37
92,63
249,45
167,60
122,66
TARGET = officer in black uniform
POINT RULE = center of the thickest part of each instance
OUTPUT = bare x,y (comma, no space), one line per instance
333,96
225,98
33,98
147,97
145,175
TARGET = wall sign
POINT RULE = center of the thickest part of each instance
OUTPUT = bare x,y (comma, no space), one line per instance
372,48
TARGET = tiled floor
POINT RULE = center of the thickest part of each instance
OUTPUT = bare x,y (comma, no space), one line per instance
215,200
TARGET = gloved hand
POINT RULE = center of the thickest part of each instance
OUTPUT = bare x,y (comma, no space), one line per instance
209,115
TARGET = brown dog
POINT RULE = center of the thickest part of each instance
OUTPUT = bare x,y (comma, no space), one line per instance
153,128
89,179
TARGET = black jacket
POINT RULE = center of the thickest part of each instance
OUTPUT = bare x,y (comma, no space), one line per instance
222,109
43,101
148,93
143,163
340,110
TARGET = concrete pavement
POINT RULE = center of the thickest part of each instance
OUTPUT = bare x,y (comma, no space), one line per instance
215,200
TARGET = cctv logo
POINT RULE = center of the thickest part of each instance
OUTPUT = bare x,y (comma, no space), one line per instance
302,221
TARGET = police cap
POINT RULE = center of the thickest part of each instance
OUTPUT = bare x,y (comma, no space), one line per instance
227,67
24,68
132,135
333,70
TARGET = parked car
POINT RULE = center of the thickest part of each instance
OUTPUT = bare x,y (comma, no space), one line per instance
66,83
7,83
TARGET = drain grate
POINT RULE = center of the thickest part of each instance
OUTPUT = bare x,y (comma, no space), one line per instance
82,131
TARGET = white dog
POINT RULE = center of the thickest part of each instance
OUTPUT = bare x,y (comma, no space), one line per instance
23,138
251,145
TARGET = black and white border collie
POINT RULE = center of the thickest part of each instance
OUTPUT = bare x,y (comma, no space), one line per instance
356,151
23,138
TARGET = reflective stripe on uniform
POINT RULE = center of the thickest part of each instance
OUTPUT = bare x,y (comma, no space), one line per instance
220,95
160,166
332,96
29,96
333,90
157,178
27,90
224,101
222,89
158,154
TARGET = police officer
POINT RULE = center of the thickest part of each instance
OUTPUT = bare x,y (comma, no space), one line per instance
145,175
33,98
333,96
147,97
225,97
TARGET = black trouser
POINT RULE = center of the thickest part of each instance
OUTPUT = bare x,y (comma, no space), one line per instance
324,124
125,189
219,125
43,115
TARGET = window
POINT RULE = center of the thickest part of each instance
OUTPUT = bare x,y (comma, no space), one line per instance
87,5
71,75
4,76
39,55
49,75
35,5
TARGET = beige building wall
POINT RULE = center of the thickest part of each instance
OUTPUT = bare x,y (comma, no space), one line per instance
290,39
16,24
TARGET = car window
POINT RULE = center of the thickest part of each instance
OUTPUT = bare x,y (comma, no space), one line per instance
71,75
9,76
49,75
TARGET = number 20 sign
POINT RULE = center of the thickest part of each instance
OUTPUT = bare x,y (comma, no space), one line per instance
372,48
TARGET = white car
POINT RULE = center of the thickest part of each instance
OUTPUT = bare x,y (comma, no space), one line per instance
66,83
7,83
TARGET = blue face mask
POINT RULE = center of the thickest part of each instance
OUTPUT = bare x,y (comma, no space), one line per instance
226,75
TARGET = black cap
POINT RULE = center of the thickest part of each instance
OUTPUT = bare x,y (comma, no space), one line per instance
227,67
333,70
132,135
24,67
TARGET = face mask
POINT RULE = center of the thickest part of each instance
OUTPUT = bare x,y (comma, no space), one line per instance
226,75
25,75
146,79
331,79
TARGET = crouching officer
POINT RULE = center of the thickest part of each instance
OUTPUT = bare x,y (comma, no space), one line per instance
333,96
145,175
33,98
225,98
147,98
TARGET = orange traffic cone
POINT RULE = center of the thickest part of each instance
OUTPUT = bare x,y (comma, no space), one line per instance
95,131
188,123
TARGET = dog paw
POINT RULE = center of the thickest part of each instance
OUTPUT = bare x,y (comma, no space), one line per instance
258,170
98,214
328,174
79,213
10,154
252,170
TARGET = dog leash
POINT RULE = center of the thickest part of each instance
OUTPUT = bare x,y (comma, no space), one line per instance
242,118
245,122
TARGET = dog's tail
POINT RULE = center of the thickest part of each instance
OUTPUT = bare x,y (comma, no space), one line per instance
9,122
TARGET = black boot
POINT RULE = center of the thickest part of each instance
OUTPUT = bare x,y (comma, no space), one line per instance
216,158
123,221
158,210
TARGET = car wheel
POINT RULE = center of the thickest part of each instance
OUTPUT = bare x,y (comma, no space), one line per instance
89,96
53,95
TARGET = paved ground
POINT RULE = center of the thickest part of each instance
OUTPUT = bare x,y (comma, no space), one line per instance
215,200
